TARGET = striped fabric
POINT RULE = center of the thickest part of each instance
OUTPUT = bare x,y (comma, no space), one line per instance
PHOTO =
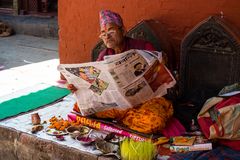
218,153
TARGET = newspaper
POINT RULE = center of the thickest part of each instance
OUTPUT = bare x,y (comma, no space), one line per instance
119,81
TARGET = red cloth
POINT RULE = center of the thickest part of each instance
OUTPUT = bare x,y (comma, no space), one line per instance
173,128
129,43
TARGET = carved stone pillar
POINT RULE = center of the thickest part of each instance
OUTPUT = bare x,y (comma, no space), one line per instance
15,7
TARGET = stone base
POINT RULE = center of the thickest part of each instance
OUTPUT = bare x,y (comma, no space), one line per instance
16,145
46,27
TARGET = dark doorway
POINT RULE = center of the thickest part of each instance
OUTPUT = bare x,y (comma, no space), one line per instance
6,3
38,7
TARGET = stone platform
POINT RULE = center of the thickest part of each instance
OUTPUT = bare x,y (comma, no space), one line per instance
16,145
16,140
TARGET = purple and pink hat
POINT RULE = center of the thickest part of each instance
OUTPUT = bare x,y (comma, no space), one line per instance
107,16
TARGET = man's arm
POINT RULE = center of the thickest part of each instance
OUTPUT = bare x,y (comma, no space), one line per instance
149,47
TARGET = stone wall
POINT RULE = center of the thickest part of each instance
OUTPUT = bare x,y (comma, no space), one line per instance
16,145
31,25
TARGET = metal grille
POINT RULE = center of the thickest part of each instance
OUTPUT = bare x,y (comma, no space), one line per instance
44,5
33,5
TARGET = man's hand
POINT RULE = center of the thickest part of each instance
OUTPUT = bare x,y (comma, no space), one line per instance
72,88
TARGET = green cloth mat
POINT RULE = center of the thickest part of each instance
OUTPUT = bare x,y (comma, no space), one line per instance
31,101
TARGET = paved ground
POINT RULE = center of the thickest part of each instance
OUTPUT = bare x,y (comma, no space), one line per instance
19,78
27,61
19,50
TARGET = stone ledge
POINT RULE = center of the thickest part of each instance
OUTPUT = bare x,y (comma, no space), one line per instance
17,145
46,27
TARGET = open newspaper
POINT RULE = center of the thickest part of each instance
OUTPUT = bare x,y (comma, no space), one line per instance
119,81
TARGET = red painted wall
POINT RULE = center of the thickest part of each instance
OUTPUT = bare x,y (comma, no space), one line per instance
79,25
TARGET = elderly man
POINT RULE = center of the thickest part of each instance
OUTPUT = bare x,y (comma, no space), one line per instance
113,35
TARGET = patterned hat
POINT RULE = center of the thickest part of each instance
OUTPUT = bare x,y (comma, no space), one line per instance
107,16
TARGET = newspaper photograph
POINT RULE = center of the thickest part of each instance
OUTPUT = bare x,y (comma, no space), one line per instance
119,81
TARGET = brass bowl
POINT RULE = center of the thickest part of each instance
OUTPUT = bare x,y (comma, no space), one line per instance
75,131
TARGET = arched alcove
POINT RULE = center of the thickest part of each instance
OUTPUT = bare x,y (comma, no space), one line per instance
210,58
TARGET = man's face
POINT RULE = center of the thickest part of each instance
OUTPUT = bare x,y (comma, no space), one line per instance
112,35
